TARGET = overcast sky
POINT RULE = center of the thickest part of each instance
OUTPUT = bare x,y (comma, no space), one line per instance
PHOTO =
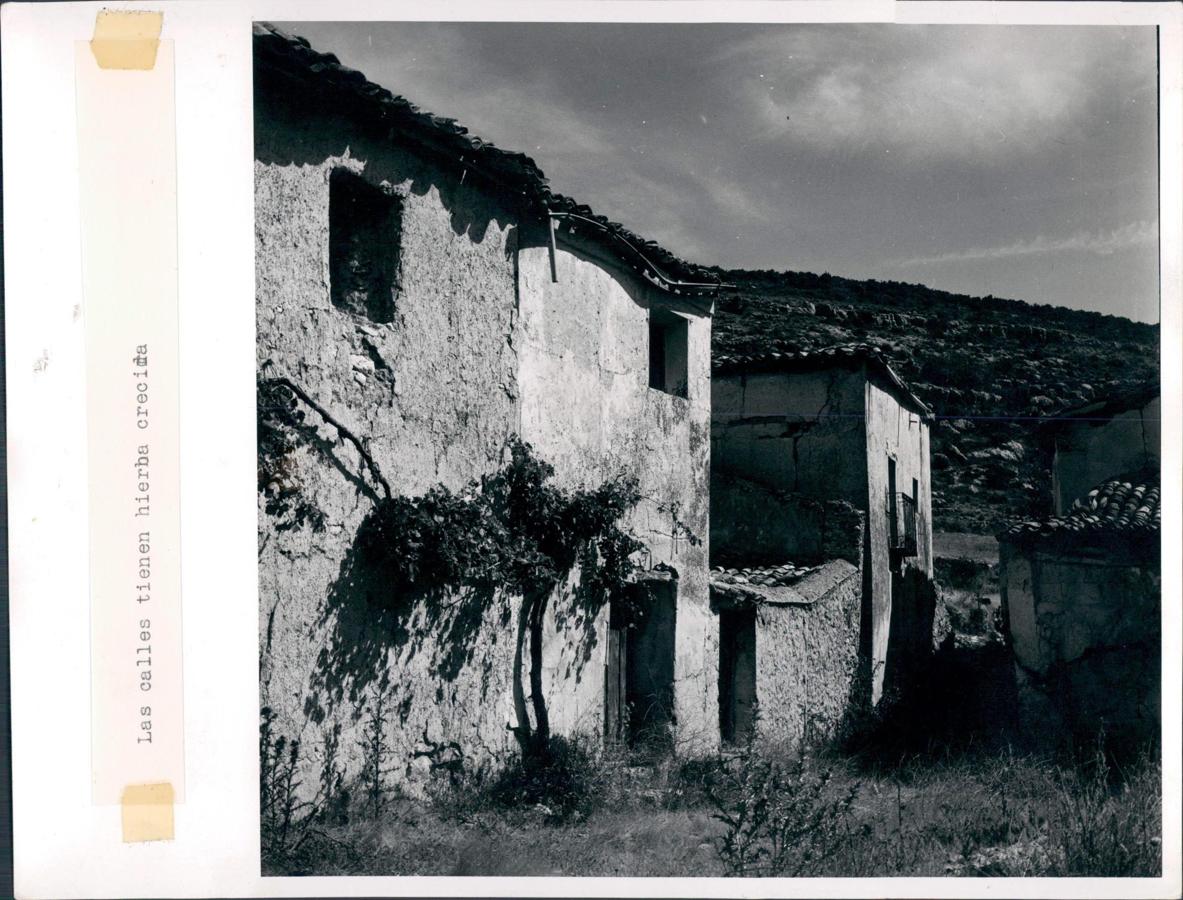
1017,161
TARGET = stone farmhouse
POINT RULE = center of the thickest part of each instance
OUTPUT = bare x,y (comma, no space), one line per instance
430,298
1081,589
825,454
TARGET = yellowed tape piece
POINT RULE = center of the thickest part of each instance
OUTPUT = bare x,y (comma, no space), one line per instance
147,813
126,40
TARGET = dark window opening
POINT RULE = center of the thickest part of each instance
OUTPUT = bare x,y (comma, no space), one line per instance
639,673
901,517
906,529
737,674
913,518
668,353
365,224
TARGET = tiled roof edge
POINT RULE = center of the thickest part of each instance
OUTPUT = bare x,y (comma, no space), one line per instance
1131,509
513,170
812,360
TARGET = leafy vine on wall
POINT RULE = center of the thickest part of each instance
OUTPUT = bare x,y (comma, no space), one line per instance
512,533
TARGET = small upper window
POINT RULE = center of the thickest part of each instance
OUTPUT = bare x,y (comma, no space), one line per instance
668,353
364,236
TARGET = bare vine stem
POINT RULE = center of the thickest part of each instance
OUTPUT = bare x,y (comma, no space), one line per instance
341,429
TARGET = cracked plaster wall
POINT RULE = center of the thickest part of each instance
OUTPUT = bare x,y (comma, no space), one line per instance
587,408
827,434
1086,635
435,394
793,431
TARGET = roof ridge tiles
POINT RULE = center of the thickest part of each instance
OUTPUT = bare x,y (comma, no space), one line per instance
1123,504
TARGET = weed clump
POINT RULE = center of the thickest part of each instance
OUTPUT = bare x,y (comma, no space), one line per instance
783,815
279,784
557,776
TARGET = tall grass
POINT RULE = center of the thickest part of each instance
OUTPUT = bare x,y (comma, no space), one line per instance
1108,821
580,809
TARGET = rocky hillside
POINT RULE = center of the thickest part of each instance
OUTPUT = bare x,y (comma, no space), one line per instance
989,368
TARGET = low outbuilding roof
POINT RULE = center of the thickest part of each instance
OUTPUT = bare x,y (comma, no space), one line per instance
1124,506
784,585
446,139
845,355
764,576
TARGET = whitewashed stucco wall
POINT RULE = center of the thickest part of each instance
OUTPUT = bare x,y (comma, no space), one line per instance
582,345
893,431
433,394
473,356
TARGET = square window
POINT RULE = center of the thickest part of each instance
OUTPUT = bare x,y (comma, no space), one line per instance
365,224
668,353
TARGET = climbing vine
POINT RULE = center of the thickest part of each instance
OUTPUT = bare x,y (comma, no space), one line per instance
513,530
510,534
279,421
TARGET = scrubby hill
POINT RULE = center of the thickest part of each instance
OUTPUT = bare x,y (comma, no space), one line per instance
990,368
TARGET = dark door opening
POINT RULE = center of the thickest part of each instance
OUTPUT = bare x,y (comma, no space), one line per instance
737,674
639,674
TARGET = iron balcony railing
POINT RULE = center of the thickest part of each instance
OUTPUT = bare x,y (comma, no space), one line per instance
903,532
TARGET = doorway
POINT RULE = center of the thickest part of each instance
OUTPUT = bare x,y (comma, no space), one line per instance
737,674
639,670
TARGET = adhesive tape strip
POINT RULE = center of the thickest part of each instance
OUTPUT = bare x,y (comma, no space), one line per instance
126,39
147,813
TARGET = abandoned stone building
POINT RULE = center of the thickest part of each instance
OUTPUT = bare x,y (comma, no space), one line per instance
425,298
1081,589
1090,442
787,585
1082,596
825,456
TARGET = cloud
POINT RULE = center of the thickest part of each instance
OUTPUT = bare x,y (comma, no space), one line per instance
933,92
734,200
511,115
1134,234
437,66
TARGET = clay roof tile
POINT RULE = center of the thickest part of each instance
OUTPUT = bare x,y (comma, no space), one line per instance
764,576
1125,505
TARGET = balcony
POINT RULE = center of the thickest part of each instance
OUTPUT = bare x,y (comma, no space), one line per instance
902,526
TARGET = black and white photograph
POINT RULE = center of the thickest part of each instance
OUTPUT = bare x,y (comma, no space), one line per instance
708,449
606,448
